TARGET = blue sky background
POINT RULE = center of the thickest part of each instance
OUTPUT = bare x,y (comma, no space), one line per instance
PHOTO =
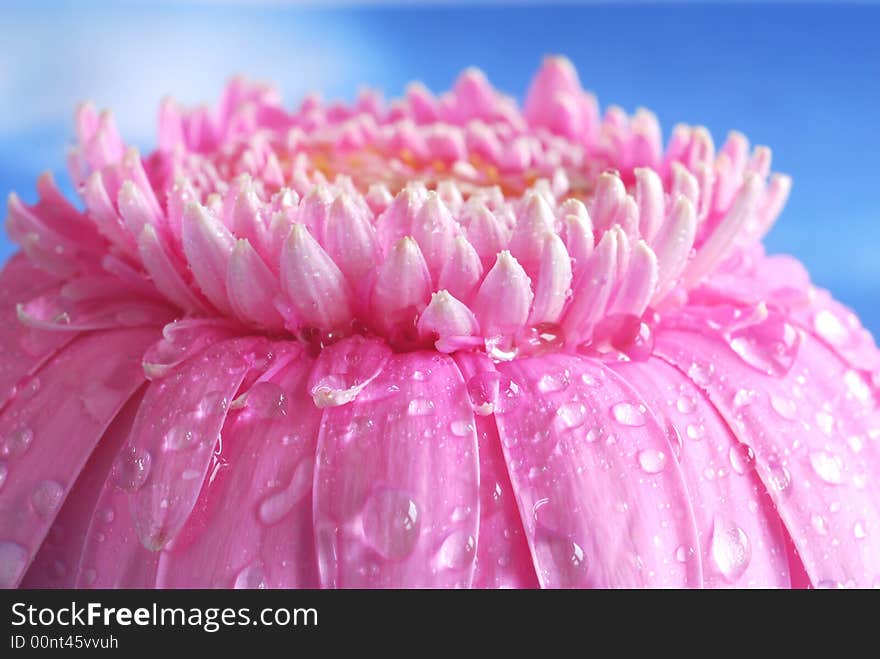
801,78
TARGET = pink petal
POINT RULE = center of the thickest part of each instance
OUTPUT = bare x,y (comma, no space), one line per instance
503,557
445,321
402,287
379,521
39,468
601,497
741,540
159,264
503,301
554,282
56,564
639,284
22,349
462,272
591,292
208,245
176,431
435,231
252,526
810,427
345,368
252,288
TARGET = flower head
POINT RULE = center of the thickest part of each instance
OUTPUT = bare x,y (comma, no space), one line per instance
445,341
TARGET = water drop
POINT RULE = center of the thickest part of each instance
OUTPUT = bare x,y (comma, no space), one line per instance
457,550
784,407
857,386
819,524
686,404
391,523
778,478
483,392
420,407
652,461
279,503
552,382
769,346
4,473
13,561
829,327
742,458
18,441
250,578
859,531
743,398
700,374
730,549
266,400
461,428
828,467
47,498
695,430
132,468
571,415
825,422
593,434
179,438
568,556
629,414
681,554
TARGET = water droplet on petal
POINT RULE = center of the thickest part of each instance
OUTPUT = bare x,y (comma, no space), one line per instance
47,498
18,441
593,434
829,327
4,473
629,414
278,504
681,554
819,524
461,428
391,523
457,550
652,461
483,392
420,407
132,468
825,422
828,467
13,561
743,398
571,415
778,478
769,346
266,400
730,549
551,382
250,578
695,430
179,438
784,407
859,531
742,458
701,374
686,404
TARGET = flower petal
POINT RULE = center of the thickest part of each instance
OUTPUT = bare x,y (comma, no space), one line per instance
602,500
176,431
252,527
379,520
40,468
813,430
741,540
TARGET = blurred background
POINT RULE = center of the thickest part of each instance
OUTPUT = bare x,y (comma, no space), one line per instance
801,78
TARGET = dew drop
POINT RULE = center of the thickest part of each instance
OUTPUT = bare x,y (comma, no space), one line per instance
391,523
133,468
47,498
568,556
250,578
13,561
743,398
629,414
266,400
571,415
686,404
279,503
769,346
18,441
483,392
819,524
594,434
695,430
179,438
779,478
700,374
552,382
784,407
859,531
4,473
828,467
825,422
829,327
420,407
652,461
730,549
457,550
681,554
461,428
742,458
857,386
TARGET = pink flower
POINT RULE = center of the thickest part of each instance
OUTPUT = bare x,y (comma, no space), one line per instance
440,342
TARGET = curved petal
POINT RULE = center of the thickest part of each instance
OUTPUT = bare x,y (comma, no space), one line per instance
56,564
176,432
49,435
503,557
253,523
813,427
741,540
23,349
602,502
396,487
